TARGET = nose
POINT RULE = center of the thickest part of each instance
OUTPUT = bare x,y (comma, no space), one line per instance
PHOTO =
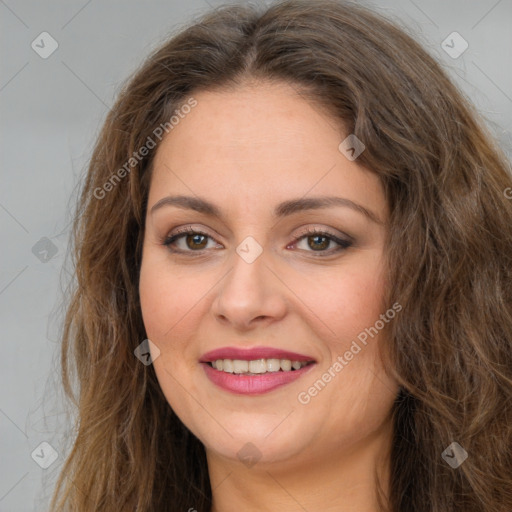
250,295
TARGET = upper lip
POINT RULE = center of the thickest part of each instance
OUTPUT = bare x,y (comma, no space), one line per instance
250,354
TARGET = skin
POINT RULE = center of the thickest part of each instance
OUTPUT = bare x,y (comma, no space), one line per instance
246,150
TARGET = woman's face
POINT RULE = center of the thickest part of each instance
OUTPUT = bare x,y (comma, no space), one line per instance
256,276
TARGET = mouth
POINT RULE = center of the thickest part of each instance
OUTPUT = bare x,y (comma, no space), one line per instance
256,367
253,354
254,377
256,370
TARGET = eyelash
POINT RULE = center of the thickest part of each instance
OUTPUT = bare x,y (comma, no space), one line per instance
342,244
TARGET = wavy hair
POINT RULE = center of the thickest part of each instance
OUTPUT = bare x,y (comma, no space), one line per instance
449,260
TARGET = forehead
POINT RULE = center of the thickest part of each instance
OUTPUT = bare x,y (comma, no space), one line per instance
254,121
259,143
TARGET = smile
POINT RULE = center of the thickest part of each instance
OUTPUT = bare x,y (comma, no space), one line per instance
257,366
256,376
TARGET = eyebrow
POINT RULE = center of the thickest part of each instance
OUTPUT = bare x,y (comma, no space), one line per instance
284,209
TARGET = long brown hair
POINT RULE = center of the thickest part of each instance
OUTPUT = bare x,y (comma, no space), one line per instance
449,257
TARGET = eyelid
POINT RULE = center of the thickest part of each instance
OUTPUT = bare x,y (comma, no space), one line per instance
189,228
343,242
184,230
327,231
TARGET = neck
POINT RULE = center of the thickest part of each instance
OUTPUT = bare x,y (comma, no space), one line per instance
342,481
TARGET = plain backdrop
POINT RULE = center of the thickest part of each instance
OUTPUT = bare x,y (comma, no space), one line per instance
50,112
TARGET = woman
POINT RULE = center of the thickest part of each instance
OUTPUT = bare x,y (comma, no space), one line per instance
293,261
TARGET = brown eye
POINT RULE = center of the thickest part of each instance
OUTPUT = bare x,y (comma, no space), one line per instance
194,241
318,241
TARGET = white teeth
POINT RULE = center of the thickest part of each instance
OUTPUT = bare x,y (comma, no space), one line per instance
240,366
286,365
227,365
257,366
273,365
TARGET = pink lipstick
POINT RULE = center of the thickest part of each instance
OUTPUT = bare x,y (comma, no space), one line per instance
250,354
265,379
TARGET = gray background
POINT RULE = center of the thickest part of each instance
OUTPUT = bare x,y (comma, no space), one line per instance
50,113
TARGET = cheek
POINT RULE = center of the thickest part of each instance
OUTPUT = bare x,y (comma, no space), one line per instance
349,307
155,303
174,305
167,297
344,301
167,304
363,303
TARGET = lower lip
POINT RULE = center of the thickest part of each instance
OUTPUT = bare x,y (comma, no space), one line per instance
253,384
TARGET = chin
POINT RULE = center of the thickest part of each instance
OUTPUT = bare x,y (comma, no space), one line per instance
268,439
